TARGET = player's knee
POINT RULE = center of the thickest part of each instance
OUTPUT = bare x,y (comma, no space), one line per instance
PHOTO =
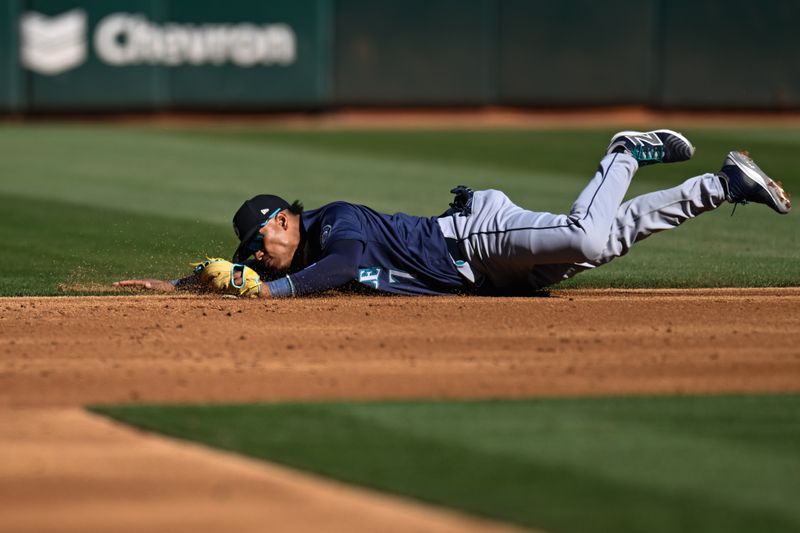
590,246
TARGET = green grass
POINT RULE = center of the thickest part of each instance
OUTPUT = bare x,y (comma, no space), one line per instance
109,201
670,464
47,243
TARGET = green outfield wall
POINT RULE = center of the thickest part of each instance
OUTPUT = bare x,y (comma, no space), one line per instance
418,52
99,55
10,72
733,53
577,52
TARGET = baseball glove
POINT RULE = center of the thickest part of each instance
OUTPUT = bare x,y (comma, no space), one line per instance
218,275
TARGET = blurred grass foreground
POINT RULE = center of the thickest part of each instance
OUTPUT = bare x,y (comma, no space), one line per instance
726,464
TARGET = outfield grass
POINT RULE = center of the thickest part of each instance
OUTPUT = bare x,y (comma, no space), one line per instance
103,202
662,465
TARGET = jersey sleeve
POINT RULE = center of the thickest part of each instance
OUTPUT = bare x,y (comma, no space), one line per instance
337,267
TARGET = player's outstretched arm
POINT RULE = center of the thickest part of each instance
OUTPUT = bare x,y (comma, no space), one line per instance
190,283
149,283
337,267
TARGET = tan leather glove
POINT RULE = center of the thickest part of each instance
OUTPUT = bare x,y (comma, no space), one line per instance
217,275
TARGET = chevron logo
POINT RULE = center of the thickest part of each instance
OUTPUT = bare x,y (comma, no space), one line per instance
53,45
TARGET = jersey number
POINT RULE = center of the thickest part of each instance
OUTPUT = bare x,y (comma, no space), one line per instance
371,276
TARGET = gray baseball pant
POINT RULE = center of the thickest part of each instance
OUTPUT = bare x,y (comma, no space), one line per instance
518,249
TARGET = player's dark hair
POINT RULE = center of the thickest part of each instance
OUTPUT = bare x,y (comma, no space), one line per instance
296,208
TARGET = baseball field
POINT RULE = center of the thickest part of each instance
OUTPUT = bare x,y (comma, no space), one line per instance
658,393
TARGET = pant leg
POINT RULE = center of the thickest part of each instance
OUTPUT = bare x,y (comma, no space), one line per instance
641,217
651,213
503,242
544,238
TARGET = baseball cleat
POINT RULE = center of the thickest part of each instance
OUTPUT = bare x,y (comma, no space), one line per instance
744,182
650,147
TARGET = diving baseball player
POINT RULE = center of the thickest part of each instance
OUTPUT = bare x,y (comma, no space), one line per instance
483,244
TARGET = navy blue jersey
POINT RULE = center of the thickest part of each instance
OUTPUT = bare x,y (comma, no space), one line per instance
401,254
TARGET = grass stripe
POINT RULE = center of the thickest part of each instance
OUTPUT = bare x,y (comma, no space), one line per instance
664,464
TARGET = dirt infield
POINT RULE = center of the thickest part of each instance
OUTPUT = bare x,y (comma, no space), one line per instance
439,117
61,353
74,351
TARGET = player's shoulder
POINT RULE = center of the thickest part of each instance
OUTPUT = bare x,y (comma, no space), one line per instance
339,204
337,221
340,209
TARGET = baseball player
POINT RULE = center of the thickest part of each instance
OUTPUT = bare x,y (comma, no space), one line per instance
483,244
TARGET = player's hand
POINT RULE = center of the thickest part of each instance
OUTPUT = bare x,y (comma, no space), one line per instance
151,284
263,293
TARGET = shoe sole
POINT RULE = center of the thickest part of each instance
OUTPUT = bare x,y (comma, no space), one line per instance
749,168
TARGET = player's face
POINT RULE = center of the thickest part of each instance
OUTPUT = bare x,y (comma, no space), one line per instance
279,245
